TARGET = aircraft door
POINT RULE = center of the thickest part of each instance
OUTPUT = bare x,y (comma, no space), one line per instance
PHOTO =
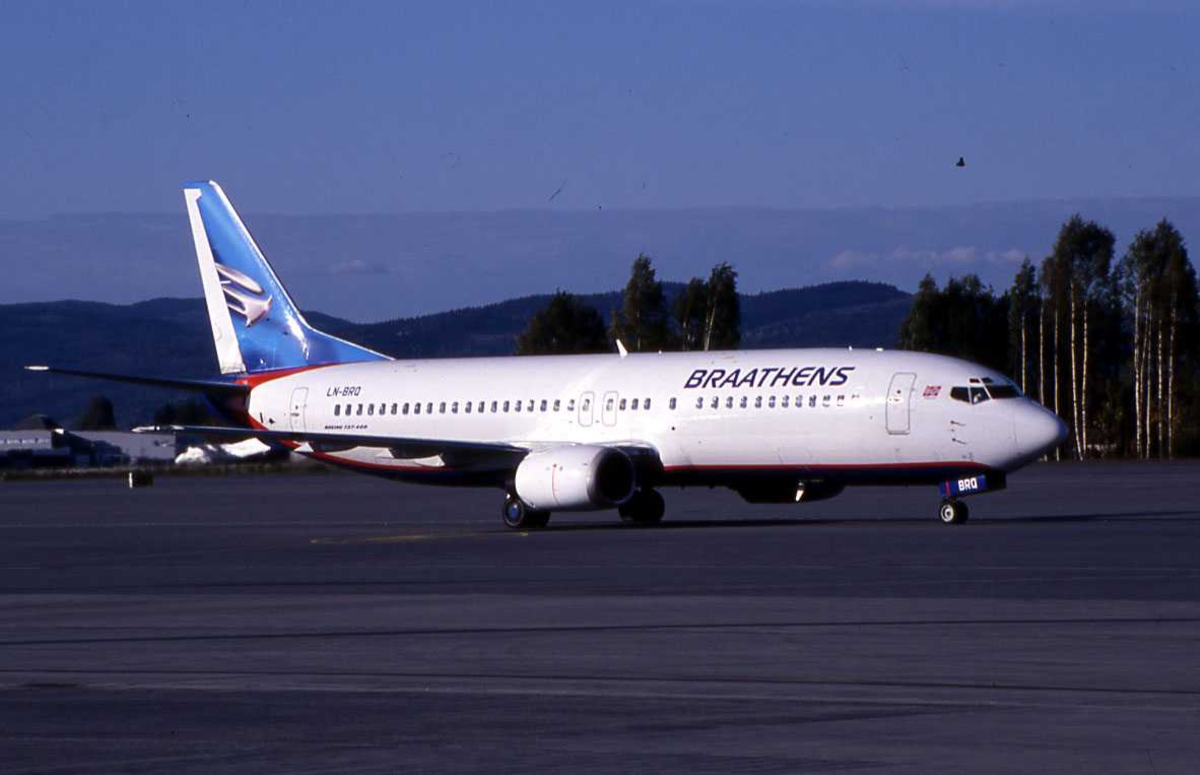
610,408
296,413
899,400
585,408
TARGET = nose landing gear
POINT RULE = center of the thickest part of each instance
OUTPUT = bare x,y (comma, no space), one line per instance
953,512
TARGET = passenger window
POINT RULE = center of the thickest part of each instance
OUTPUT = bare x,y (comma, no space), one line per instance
467,406
454,408
646,404
482,406
544,404
571,405
337,410
358,412
812,400
716,402
586,406
557,404
758,402
700,402
442,407
370,410
516,406
745,402
416,408
382,409
825,400
783,402
729,402
428,407
506,407
671,404
395,408
495,404
841,400
623,402
799,402
349,409
771,402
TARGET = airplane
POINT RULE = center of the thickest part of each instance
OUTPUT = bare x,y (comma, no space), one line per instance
595,432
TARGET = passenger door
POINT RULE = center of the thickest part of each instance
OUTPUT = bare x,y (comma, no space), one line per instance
296,412
899,401
610,408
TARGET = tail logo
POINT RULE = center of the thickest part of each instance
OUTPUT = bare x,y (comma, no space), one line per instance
243,295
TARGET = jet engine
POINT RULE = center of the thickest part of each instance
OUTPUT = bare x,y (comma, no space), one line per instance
575,478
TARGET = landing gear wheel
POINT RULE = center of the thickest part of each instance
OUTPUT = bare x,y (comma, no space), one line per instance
646,507
954,512
518,516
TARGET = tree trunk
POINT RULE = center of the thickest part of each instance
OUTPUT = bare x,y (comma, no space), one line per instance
1057,371
1137,371
1161,403
1074,379
1024,356
1083,387
1042,354
1171,380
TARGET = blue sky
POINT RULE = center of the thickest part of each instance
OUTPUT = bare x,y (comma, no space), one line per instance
306,108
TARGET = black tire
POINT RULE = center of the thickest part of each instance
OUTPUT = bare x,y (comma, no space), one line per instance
518,516
953,512
646,507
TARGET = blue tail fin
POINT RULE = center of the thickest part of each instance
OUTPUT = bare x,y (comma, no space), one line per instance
255,325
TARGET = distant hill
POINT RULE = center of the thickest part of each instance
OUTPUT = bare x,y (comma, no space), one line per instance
171,336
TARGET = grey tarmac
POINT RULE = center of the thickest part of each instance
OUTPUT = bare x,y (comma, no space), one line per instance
336,623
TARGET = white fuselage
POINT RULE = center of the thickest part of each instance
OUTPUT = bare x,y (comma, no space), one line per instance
860,415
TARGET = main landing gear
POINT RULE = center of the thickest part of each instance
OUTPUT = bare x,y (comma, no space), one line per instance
953,512
518,516
646,507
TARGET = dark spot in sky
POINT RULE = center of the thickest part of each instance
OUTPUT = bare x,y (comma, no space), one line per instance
558,190
961,162
452,159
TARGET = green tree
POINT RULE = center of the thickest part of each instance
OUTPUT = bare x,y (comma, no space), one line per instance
691,306
723,313
98,415
1158,287
642,323
1082,256
963,320
564,326
1023,308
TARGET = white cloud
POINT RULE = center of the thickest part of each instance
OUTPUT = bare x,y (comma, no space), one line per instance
356,266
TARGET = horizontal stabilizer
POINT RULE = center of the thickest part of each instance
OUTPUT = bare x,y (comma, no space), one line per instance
213,386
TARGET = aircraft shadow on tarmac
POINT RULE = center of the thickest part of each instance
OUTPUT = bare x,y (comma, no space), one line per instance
1180,515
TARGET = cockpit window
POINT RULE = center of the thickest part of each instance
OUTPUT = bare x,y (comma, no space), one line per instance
978,395
1004,391
960,394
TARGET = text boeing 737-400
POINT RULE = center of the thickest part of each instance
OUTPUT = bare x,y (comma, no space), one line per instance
590,432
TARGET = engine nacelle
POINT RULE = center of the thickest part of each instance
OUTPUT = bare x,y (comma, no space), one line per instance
575,478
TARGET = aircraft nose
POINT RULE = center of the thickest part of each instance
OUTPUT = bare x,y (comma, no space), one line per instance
1038,430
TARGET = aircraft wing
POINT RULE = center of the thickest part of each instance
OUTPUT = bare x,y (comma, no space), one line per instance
401,447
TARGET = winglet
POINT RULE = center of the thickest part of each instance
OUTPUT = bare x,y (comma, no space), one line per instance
621,349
